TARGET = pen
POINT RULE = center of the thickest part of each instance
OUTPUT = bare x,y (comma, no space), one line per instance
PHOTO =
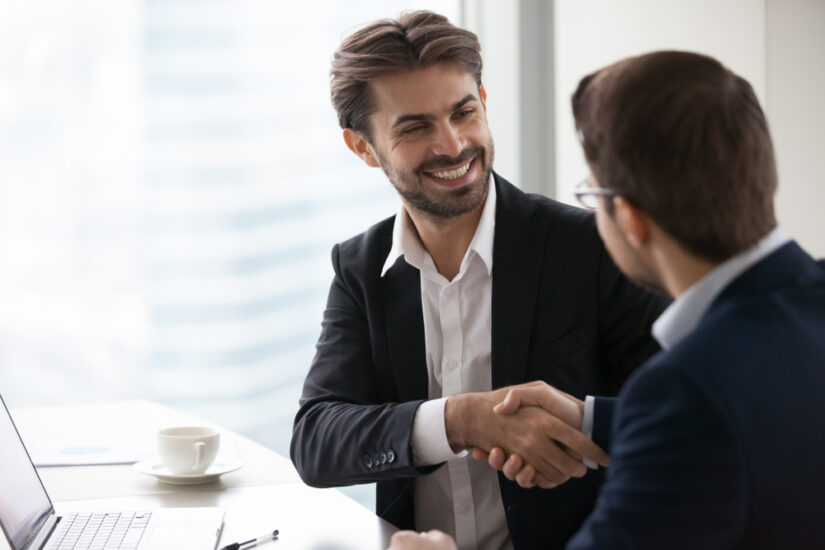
252,543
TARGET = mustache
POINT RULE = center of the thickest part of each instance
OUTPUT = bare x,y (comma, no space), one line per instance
443,161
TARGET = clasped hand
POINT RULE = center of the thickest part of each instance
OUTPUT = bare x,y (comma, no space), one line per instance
531,433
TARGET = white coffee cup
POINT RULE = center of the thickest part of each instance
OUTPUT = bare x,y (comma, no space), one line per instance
188,450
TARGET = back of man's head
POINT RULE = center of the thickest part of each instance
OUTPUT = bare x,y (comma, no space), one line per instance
683,139
416,40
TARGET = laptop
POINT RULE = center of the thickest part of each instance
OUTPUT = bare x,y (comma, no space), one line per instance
29,522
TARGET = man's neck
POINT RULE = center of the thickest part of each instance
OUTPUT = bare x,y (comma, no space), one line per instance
447,241
680,270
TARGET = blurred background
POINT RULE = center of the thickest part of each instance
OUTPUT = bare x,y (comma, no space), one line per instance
172,176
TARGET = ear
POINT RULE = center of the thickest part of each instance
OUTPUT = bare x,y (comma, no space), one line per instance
359,145
634,223
483,94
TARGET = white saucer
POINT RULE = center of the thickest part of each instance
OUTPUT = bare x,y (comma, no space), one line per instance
154,467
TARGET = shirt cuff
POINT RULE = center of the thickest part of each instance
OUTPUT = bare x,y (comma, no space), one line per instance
587,427
429,435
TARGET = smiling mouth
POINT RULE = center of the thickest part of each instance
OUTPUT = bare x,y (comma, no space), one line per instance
455,173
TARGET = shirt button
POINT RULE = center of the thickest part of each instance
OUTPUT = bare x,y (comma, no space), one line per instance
390,456
367,460
464,507
452,364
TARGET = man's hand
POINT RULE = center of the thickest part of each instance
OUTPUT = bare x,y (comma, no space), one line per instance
543,438
558,403
431,540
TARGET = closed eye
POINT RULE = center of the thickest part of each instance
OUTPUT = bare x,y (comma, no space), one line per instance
413,129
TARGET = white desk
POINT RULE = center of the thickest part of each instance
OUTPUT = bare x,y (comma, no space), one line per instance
265,494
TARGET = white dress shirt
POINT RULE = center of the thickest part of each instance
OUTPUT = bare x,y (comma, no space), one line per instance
683,315
462,498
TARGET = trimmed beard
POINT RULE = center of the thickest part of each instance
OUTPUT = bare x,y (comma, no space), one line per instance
451,204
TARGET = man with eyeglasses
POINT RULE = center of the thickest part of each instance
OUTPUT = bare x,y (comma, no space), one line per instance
718,441
474,286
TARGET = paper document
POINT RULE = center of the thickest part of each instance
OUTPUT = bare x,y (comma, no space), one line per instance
87,453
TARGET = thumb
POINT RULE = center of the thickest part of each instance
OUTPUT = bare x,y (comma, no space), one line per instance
546,397
510,404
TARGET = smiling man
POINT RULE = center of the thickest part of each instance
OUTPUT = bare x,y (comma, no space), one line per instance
472,287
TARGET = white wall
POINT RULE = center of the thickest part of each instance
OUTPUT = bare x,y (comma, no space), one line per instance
796,112
777,45
593,33
496,24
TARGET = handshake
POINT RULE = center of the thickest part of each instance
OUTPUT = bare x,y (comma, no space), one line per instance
531,433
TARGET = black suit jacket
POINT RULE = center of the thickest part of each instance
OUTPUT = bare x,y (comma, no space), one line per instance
561,312
719,442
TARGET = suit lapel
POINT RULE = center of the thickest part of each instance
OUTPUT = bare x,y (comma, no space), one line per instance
518,255
405,330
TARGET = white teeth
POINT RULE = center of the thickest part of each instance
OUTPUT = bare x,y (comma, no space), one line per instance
453,174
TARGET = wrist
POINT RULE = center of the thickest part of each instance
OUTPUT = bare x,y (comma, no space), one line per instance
469,419
455,423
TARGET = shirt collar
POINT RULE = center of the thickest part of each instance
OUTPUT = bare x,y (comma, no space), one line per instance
683,315
406,243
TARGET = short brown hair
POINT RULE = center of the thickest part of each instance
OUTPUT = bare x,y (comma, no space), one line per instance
684,139
415,40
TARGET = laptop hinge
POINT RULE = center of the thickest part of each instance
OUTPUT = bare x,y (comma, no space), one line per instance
44,533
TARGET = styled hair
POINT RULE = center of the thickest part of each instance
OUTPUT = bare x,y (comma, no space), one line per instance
416,40
682,138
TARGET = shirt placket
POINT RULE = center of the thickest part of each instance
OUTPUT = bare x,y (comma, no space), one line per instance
451,372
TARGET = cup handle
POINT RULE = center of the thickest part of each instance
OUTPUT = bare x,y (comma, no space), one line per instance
200,447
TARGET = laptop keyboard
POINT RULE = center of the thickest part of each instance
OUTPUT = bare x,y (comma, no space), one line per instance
114,531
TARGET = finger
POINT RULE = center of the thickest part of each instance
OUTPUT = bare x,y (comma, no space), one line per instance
512,401
545,455
543,482
497,458
553,456
402,537
525,478
512,467
568,450
548,468
576,444
478,454
545,397
509,405
440,539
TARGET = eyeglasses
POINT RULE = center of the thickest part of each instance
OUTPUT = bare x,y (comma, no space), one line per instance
588,195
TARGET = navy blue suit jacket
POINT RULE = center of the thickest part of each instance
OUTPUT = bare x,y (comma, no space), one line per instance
719,442
561,312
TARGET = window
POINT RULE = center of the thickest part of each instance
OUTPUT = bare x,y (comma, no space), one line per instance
172,179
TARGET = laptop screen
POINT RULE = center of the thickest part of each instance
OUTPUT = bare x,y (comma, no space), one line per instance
24,504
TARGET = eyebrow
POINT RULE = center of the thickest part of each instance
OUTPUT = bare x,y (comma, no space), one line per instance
427,117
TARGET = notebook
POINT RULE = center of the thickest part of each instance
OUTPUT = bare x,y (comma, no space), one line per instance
29,522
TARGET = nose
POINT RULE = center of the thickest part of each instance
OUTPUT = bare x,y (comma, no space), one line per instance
449,140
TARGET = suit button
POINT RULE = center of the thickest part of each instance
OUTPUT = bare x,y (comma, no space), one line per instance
382,457
367,460
390,456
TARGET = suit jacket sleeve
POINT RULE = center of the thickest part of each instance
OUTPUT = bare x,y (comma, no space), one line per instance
343,434
675,480
602,421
